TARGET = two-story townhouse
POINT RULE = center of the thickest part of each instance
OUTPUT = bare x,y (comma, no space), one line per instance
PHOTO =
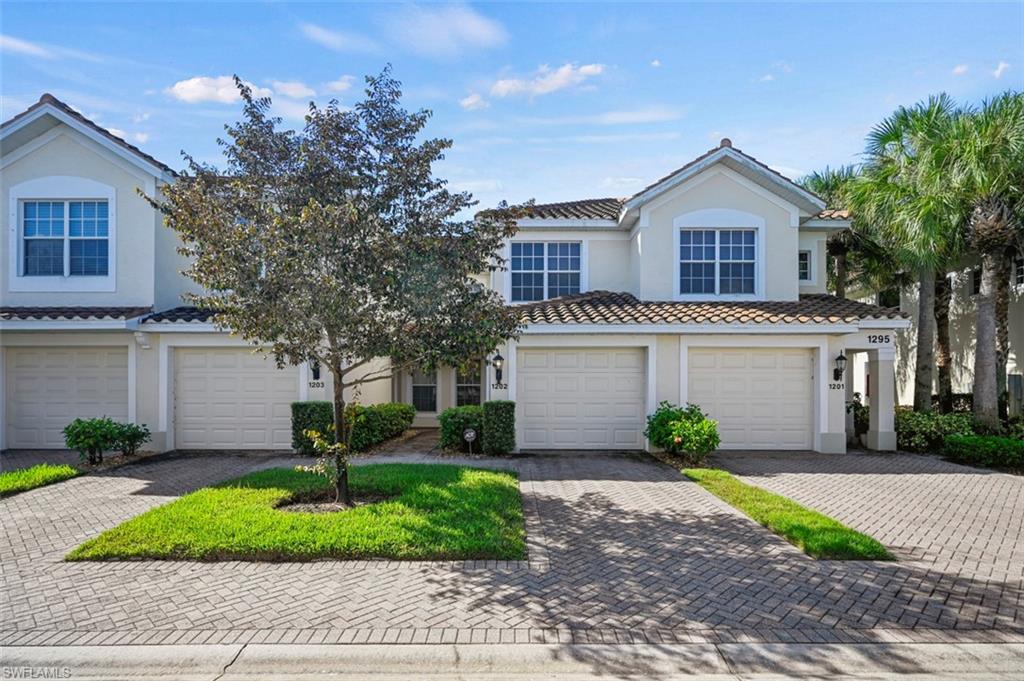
706,287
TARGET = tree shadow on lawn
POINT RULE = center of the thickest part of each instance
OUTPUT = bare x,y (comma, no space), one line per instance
627,573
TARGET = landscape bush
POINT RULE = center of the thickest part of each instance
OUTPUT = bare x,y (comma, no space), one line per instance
455,420
985,450
91,437
925,432
373,424
499,423
683,431
129,437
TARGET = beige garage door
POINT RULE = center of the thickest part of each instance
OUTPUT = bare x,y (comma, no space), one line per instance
48,388
581,398
229,398
761,398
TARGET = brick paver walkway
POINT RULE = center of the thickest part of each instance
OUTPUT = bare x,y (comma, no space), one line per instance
621,549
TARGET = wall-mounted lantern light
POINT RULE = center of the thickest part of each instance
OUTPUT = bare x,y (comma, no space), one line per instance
497,362
315,369
837,373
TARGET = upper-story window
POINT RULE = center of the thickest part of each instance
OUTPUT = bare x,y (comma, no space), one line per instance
717,261
65,238
1018,270
542,270
803,264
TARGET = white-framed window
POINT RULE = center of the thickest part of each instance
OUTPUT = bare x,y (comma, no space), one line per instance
975,281
424,390
717,261
544,269
65,238
1018,270
469,385
803,266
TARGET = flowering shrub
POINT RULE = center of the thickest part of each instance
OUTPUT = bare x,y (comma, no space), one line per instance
683,430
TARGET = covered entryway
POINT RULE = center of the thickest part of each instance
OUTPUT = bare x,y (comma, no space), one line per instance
230,398
581,398
761,397
49,387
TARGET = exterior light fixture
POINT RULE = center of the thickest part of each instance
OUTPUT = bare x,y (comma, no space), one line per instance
837,373
497,362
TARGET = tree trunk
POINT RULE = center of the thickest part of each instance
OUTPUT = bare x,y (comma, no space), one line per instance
986,391
925,341
943,353
341,435
841,275
1003,273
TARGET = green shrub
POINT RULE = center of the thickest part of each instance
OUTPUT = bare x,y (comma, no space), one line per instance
985,450
373,424
499,436
455,421
92,437
1015,428
682,430
925,432
861,415
130,437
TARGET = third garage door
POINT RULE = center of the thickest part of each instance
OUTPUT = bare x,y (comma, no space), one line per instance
585,398
229,398
761,397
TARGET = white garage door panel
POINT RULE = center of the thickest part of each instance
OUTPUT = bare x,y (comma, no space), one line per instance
581,398
48,388
228,398
761,398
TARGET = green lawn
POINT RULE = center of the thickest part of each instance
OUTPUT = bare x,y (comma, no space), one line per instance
817,535
432,512
22,480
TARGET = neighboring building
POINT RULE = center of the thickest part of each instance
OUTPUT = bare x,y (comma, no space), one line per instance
707,287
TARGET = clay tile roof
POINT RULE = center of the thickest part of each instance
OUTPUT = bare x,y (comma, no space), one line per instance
587,209
47,98
184,313
833,214
69,313
606,307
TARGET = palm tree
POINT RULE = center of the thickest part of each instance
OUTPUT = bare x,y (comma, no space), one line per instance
895,193
982,165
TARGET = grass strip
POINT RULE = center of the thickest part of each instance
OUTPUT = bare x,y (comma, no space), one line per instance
815,534
24,479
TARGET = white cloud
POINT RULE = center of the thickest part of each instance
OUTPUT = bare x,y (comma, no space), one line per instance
622,182
117,132
29,49
473,101
141,137
547,80
960,69
766,78
141,117
783,66
292,88
656,63
211,89
623,117
340,85
290,109
339,41
445,31
476,185
1001,69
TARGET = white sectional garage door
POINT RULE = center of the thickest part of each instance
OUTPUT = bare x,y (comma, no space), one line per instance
760,397
587,398
49,387
229,398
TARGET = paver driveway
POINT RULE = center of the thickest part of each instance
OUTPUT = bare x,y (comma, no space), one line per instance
621,549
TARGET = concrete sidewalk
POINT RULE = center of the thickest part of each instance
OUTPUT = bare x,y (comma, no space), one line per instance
540,661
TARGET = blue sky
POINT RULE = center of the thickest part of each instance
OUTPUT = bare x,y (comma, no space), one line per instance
545,101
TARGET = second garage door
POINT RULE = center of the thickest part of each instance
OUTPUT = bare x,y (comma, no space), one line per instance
587,398
229,398
760,397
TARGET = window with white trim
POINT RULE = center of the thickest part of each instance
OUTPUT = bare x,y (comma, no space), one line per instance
468,385
804,265
65,238
424,391
1018,270
717,261
542,270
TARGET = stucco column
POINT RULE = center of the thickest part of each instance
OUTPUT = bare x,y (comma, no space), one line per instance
851,429
832,439
882,430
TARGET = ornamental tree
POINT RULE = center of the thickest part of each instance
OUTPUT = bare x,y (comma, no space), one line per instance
336,244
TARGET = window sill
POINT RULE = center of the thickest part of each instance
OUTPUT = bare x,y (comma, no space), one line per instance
23,284
710,297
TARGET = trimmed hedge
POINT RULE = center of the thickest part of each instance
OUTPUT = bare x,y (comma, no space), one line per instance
985,450
375,423
925,432
454,422
499,436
